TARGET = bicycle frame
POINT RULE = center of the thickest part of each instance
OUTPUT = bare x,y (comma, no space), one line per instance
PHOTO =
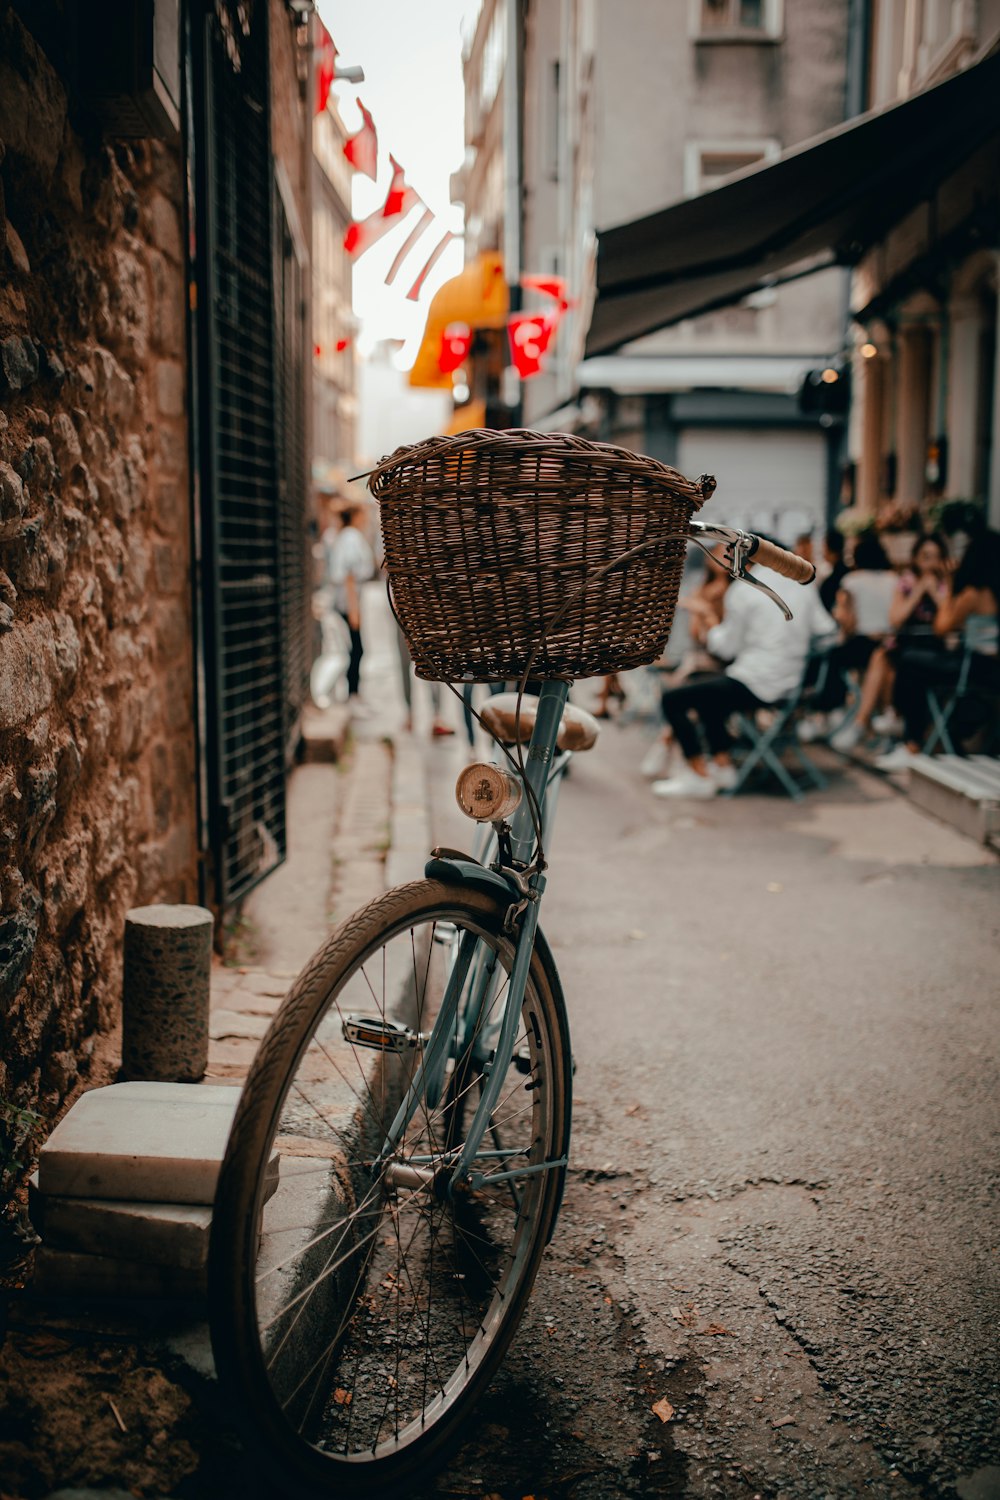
526,893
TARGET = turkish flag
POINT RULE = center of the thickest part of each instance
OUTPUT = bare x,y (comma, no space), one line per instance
530,335
398,202
361,149
456,341
326,54
551,286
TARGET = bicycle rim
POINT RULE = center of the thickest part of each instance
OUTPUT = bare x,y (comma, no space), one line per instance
357,1316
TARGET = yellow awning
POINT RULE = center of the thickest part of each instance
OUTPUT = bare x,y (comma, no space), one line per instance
476,296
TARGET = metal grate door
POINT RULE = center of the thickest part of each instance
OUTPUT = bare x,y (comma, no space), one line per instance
245,708
291,263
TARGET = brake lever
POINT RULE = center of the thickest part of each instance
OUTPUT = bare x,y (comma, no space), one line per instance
737,556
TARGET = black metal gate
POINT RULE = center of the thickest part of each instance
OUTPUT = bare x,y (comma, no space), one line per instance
291,263
244,692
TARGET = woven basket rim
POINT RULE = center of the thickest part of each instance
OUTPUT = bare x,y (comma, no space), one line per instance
529,444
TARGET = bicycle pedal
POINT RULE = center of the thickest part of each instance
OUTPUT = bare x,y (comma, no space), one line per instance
379,1035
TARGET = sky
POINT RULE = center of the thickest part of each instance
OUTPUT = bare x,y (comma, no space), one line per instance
411,51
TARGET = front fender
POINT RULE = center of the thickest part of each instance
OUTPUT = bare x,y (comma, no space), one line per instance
459,869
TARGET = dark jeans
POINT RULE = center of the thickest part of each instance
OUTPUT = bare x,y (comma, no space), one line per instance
916,671
711,697
354,665
852,655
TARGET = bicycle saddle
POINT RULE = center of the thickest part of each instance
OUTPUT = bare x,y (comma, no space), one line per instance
577,731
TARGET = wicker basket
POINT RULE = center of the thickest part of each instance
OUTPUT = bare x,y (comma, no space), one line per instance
488,534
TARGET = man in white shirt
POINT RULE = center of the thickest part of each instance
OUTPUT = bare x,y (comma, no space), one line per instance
767,655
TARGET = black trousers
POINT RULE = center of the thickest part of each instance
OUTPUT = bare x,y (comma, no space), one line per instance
916,671
711,697
354,665
852,655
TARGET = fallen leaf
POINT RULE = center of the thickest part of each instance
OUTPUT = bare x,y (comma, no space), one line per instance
775,887
663,1410
784,1422
718,1330
637,935
758,1399
342,1397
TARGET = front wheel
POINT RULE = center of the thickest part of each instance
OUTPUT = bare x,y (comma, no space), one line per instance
358,1304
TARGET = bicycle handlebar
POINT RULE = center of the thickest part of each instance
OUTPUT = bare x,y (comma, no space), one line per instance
788,564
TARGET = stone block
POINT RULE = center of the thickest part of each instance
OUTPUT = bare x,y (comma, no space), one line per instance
170,388
32,100
325,733
140,1142
167,1234
27,671
19,362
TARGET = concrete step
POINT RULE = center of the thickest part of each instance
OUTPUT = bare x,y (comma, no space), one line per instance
140,1142
164,1234
961,790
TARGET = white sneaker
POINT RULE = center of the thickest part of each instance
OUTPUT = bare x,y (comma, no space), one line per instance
686,784
812,728
888,723
723,776
656,761
898,759
845,739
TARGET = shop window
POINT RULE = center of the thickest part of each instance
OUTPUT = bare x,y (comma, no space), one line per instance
731,20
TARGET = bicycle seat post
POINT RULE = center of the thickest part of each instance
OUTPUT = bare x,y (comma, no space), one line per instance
542,748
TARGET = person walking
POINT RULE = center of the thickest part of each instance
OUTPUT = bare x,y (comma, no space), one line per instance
349,563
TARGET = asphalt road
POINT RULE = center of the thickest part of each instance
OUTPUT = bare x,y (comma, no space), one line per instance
781,1218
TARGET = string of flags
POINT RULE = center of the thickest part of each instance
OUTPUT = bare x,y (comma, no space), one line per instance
529,334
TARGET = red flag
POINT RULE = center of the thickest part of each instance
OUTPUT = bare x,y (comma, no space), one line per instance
399,200
456,341
530,335
361,149
551,286
326,54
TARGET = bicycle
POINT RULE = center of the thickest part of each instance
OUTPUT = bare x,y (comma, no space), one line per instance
398,1156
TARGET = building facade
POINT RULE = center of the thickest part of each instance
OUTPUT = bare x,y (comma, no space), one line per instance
924,299
154,224
621,111
334,377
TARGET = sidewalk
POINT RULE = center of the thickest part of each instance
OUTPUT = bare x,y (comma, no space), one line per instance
125,1394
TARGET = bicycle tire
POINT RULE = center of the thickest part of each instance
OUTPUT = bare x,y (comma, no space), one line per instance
404,1415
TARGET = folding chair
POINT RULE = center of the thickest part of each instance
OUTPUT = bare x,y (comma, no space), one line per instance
766,745
942,701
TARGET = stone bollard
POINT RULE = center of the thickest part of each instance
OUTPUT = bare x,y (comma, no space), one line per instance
168,956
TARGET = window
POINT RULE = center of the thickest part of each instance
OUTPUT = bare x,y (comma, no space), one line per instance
736,20
708,164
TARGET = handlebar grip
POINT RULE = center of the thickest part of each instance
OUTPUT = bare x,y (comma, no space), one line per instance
788,564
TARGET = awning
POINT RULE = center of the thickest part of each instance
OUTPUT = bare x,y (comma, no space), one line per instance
626,373
829,199
476,296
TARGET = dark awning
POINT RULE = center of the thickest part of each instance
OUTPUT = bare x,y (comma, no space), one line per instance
830,198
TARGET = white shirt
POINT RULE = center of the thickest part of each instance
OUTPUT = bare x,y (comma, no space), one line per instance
766,652
348,555
872,593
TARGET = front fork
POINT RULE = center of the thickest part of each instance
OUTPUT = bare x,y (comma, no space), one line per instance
541,750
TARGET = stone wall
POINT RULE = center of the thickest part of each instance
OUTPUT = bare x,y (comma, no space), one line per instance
97,760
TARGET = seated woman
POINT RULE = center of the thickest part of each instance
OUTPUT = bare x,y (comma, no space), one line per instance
862,612
972,608
766,656
918,594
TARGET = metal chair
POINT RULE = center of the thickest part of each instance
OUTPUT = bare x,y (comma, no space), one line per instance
764,746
